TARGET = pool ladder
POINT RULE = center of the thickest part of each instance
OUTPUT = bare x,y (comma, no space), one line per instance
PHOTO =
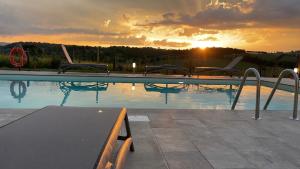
246,74
296,91
258,86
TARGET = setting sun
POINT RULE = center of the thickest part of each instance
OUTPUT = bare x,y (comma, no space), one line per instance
205,44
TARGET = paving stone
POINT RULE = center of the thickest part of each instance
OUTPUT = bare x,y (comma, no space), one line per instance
141,130
165,115
146,156
167,123
189,123
185,115
171,133
281,152
176,145
171,139
221,156
187,160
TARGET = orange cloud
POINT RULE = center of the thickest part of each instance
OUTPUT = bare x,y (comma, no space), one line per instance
248,24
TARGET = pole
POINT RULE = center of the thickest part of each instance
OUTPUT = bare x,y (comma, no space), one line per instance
98,53
298,62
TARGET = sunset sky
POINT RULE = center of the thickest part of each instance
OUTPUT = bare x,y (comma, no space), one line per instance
267,25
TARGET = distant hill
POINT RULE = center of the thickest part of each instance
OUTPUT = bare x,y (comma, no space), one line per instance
3,43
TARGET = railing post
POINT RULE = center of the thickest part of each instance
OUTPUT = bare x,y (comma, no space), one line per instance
296,91
295,111
257,107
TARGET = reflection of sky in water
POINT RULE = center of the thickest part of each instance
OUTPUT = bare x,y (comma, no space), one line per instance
138,95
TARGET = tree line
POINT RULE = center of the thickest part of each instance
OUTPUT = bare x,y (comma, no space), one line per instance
120,58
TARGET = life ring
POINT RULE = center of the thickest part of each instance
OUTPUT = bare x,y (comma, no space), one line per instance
22,89
23,57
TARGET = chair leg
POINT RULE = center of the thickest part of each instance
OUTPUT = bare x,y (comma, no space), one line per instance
59,70
64,69
128,131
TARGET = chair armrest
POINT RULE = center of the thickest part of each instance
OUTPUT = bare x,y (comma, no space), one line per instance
122,154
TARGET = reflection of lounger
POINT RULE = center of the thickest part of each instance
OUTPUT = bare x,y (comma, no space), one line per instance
67,87
70,65
230,92
230,68
65,138
166,67
156,88
81,86
166,89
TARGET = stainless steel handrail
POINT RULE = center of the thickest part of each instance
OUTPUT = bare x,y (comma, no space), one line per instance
257,107
296,91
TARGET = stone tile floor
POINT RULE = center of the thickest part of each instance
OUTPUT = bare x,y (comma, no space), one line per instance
207,139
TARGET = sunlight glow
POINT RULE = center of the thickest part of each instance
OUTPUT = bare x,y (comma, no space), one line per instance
205,44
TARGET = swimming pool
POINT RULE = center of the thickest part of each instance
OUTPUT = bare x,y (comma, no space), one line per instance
40,91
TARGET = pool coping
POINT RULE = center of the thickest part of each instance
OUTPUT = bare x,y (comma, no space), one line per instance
286,83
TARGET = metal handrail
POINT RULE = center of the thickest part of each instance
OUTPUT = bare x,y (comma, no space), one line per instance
296,91
257,107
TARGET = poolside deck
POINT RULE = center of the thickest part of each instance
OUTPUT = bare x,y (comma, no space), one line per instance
201,139
207,139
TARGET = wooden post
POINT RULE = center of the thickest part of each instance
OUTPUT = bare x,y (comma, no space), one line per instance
98,53
114,63
298,62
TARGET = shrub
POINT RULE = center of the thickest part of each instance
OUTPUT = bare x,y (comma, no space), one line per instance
4,61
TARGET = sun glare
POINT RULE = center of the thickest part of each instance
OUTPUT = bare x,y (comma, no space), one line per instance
204,44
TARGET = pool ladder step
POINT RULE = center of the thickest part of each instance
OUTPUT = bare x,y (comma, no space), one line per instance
258,86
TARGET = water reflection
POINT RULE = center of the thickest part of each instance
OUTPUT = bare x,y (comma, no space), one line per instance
167,88
18,89
230,91
133,95
67,87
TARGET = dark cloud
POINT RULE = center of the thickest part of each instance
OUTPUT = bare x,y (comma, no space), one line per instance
210,38
111,40
196,31
169,16
124,40
165,43
240,14
53,31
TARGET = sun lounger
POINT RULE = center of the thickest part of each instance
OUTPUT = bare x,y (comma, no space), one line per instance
230,68
70,65
148,69
65,138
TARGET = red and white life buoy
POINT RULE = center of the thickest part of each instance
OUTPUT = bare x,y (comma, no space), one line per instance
23,57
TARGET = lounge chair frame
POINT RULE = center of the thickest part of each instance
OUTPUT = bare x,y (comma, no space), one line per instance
229,68
70,65
114,136
167,67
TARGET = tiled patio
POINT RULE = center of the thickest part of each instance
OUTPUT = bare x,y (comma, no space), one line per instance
206,139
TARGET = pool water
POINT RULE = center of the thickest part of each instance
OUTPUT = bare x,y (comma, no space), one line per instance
38,94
